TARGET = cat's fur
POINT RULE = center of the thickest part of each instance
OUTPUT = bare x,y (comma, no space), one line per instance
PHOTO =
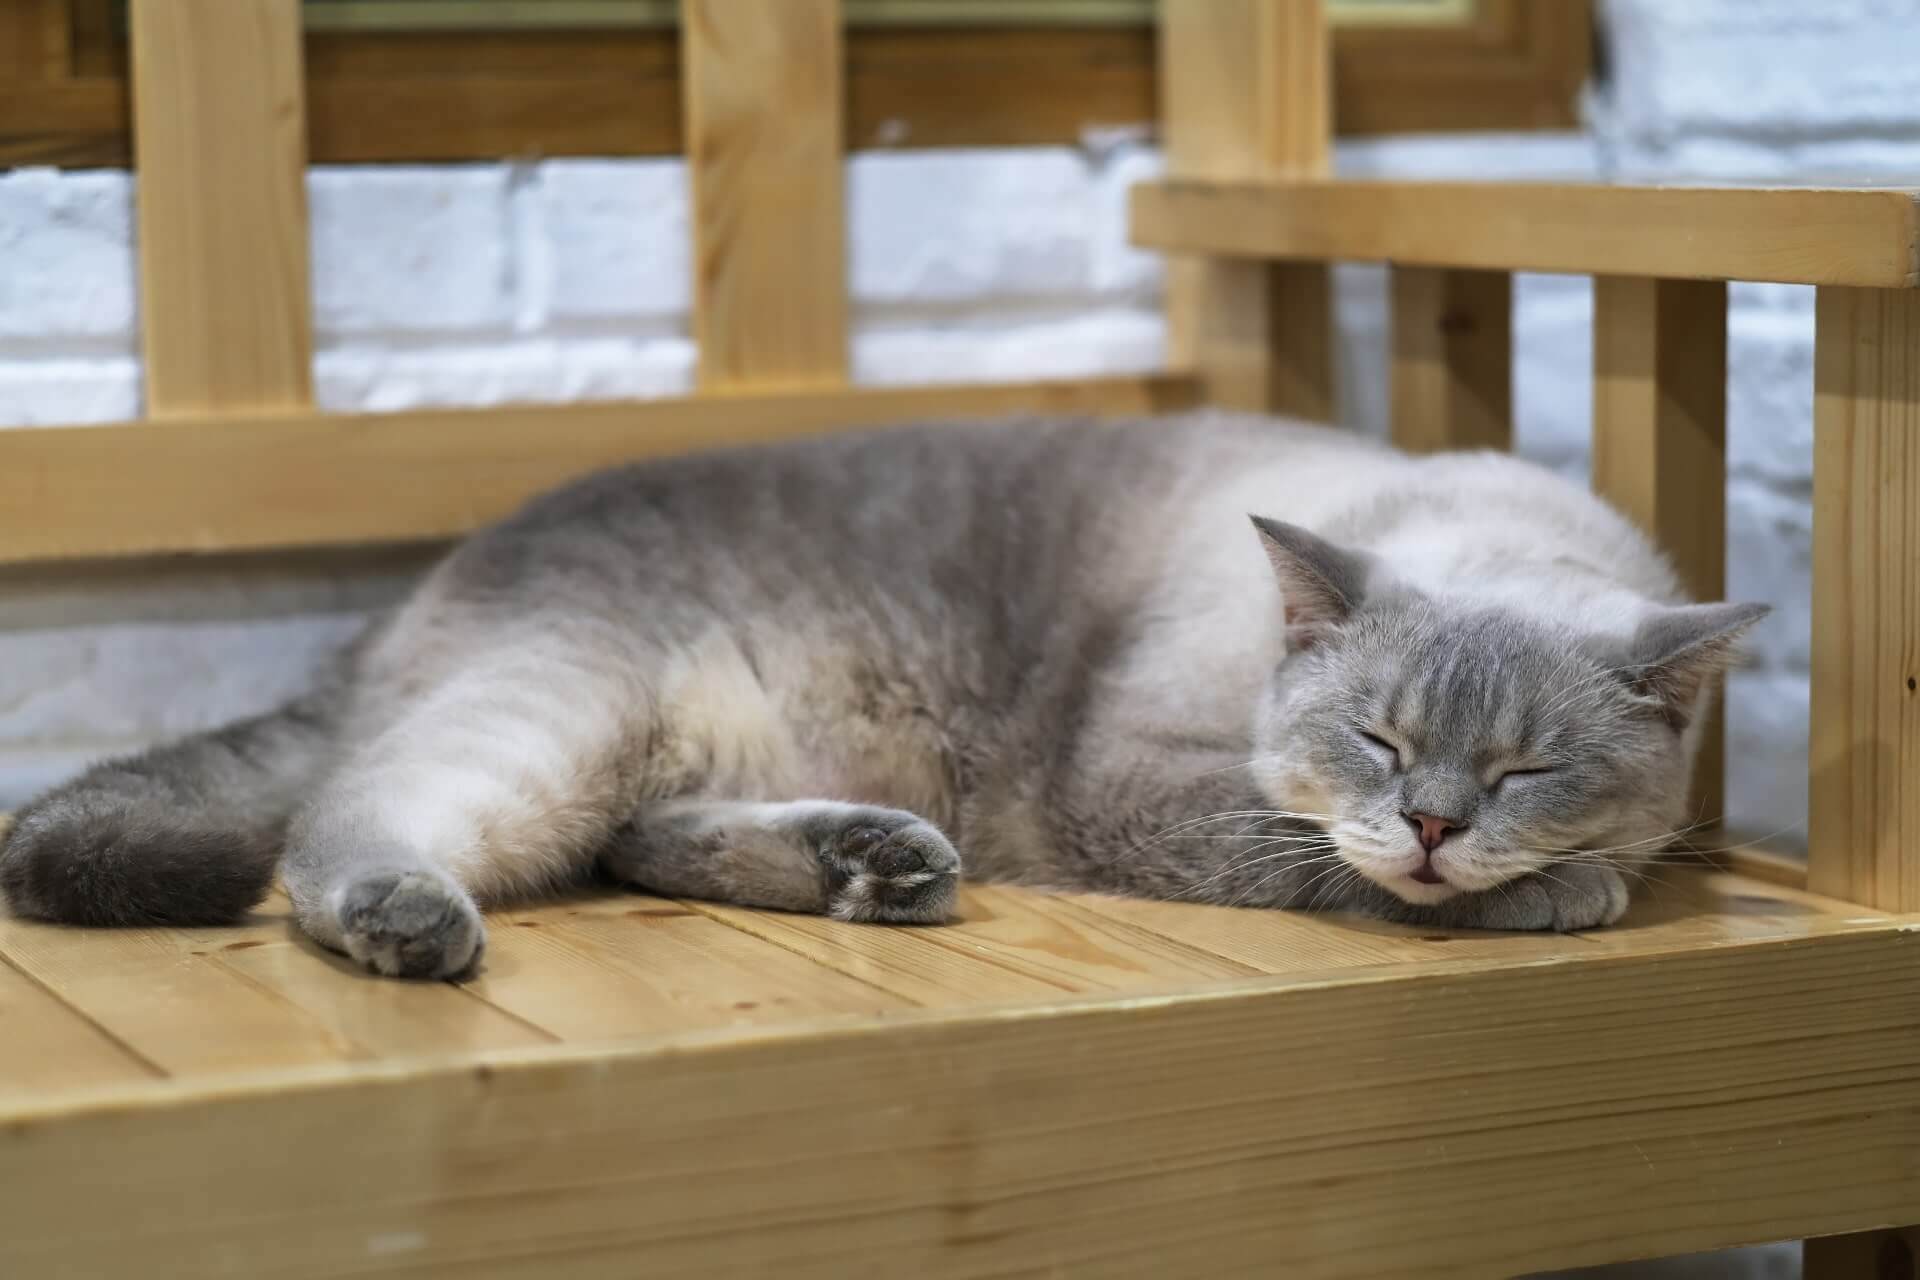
800,676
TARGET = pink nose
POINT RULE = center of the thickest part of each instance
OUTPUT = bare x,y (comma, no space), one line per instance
1430,829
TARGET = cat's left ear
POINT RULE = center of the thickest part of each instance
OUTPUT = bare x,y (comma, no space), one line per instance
1320,584
1677,651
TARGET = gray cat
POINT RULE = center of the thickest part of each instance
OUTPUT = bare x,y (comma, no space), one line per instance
806,676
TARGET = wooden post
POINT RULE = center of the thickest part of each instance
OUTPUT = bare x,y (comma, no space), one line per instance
1660,444
764,136
220,144
1864,750
1246,93
1452,359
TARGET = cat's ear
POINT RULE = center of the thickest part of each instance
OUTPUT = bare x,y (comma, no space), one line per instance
1320,584
1677,651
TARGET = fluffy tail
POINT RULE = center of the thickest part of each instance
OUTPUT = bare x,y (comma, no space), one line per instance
187,833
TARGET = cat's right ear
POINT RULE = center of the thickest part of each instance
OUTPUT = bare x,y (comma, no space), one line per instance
1320,584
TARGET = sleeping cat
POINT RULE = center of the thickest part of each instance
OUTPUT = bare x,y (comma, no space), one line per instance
825,676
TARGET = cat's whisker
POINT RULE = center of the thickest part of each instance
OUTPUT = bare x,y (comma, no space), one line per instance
1320,854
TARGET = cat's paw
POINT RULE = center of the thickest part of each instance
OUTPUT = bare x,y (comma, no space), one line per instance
889,867
411,924
1564,898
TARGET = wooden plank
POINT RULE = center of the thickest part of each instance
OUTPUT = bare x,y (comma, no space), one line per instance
226,312
384,1019
1628,1107
1660,446
763,92
1289,942
166,996
1792,235
1008,945
1452,374
1245,95
1864,810
627,965
479,95
49,1046
220,484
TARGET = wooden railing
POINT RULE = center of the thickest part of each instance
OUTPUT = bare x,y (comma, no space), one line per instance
233,453
1248,200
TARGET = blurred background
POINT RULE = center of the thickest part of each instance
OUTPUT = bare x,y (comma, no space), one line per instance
497,216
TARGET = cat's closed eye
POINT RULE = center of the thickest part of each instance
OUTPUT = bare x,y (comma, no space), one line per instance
1382,747
1534,771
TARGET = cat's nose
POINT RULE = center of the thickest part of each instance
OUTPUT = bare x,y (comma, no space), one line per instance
1432,830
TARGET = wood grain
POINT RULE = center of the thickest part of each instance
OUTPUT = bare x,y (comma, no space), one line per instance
1245,95
763,104
1627,1107
1008,945
50,1046
226,312
627,965
481,95
165,995
382,1019
1792,235
220,484
1452,366
1864,807
1660,446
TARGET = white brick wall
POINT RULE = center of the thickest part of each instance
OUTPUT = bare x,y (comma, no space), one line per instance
483,283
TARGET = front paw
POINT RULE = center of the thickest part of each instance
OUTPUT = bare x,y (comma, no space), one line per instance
889,867
1564,898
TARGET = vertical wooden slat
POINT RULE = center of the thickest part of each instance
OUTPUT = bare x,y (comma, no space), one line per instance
1246,93
1660,444
1864,810
1452,359
763,109
220,141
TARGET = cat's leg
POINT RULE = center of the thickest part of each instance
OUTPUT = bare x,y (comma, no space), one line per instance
848,861
1564,898
502,781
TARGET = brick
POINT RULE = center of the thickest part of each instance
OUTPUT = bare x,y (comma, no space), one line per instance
1117,269
410,249
957,226
142,681
1840,65
68,391
380,379
66,242
1767,745
1109,341
617,236
1770,394
1770,560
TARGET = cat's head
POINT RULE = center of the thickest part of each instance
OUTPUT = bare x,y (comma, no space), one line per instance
1448,748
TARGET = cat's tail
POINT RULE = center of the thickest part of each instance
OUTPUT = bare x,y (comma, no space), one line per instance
186,833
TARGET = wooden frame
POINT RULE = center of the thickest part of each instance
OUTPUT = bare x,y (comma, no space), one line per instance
1054,1081
381,95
